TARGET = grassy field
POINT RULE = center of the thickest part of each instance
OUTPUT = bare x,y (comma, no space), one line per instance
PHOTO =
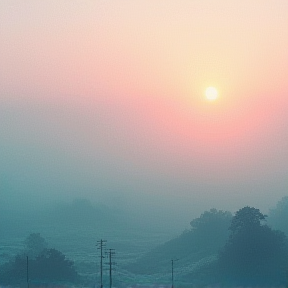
79,245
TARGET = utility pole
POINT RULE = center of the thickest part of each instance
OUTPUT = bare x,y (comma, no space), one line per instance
172,271
27,271
111,254
101,244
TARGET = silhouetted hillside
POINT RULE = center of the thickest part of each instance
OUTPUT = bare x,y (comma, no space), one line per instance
208,234
222,250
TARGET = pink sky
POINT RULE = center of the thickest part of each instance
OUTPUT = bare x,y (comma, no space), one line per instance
122,82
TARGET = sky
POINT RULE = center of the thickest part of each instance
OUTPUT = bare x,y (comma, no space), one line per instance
105,100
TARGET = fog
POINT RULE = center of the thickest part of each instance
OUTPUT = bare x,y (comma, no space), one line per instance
59,150
106,133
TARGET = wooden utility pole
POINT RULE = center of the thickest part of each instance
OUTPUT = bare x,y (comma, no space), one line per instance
172,271
27,271
111,254
101,244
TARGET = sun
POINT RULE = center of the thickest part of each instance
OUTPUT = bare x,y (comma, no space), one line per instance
211,93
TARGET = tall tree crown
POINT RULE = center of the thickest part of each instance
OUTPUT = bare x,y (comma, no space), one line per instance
246,218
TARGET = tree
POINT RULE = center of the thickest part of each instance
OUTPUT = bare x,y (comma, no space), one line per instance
35,244
46,265
52,265
278,217
255,254
211,219
14,271
211,228
246,218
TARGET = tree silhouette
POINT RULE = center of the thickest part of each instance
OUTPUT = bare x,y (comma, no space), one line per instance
52,265
255,254
45,265
246,218
35,244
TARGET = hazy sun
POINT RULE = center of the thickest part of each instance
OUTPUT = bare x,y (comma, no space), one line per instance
211,93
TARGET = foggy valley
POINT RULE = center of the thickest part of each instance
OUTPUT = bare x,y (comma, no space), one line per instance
143,143
143,247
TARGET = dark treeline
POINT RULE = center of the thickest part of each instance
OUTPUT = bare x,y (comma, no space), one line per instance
244,249
225,250
255,254
46,265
